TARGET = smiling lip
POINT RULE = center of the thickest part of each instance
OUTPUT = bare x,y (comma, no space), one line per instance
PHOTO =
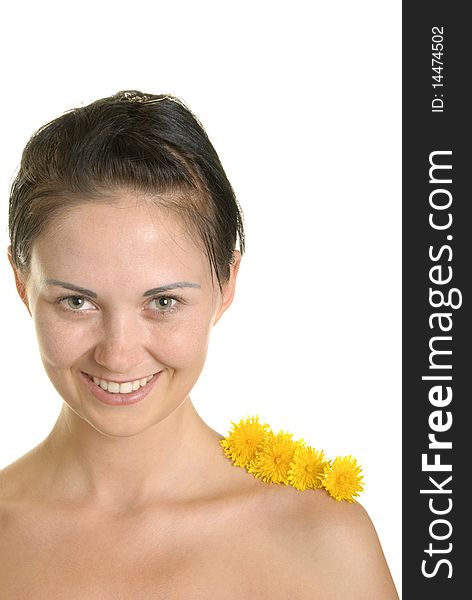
119,399
93,377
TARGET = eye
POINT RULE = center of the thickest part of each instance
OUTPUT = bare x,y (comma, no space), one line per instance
165,304
75,303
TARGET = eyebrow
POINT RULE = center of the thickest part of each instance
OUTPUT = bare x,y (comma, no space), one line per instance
151,292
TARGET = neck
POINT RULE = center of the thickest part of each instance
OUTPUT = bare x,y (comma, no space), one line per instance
164,463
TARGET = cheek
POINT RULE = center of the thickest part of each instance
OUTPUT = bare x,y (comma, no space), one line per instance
183,344
60,343
180,343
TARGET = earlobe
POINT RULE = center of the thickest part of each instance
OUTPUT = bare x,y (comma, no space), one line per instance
19,281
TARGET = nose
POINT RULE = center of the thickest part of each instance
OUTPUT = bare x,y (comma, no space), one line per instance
120,347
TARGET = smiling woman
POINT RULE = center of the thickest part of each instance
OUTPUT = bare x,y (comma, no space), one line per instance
117,327
124,232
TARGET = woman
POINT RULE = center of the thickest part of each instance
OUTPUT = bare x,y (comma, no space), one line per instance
123,231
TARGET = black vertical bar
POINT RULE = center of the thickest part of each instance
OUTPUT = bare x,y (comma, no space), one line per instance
437,234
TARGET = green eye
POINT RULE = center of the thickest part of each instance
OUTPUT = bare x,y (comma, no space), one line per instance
164,302
75,302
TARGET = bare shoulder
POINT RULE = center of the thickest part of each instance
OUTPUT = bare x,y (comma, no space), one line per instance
15,475
10,478
337,543
17,482
342,538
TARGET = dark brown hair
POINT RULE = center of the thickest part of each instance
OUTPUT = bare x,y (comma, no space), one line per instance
151,144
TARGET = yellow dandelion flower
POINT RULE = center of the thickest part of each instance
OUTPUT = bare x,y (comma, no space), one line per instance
343,479
272,462
244,441
277,458
307,469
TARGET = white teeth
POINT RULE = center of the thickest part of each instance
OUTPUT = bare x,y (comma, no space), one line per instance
121,388
125,388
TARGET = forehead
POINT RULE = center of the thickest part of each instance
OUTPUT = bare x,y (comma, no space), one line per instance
121,235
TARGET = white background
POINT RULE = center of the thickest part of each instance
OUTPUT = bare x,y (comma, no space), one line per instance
302,103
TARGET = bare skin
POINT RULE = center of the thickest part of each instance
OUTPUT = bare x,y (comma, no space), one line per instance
241,538
139,501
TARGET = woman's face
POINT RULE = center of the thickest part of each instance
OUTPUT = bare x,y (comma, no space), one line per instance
121,329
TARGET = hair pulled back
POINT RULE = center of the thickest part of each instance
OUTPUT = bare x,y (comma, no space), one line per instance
150,144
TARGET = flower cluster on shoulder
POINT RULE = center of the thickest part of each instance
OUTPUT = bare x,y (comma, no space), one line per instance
277,458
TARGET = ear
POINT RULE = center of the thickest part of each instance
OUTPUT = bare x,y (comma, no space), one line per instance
19,280
229,287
